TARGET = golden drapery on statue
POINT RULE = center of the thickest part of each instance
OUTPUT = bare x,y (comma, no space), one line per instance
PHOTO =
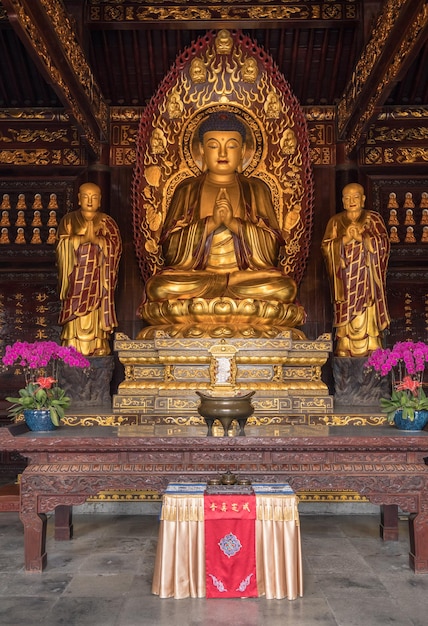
222,197
356,251
88,252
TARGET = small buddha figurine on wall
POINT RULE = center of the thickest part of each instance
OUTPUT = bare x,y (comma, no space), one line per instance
392,202
393,219
5,201
37,220
37,204
20,220
410,235
393,235
410,220
36,236
53,201
20,236
408,201
21,204
5,221
4,237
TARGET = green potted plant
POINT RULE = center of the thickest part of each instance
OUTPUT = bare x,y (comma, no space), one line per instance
405,364
42,401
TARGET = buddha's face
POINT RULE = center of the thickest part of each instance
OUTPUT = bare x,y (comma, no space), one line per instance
223,151
89,200
353,200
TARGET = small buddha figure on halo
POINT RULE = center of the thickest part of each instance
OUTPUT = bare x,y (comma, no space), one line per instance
53,201
424,237
221,238
393,235
392,202
424,216
288,142
20,220
424,200
5,204
20,236
5,221
223,42
36,236
37,204
174,106
52,221
272,107
157,141
4,237
393,219
21,204
37,220
409,220
198,72
408,201
250,70
410,235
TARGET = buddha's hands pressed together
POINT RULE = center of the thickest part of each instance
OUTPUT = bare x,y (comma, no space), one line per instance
353,233
223,212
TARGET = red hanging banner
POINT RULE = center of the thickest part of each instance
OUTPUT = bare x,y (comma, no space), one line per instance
230,546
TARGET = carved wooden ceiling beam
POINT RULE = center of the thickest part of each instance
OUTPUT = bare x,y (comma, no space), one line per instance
47,32
217,13
400,31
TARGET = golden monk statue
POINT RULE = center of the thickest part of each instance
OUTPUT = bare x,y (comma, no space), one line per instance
221,238
88,252
356,251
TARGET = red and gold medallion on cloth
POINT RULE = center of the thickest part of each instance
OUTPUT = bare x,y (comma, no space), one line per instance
230,546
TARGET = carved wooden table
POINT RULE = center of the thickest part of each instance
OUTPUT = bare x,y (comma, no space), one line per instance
67,466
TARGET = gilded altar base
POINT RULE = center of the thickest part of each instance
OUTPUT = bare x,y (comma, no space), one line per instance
163,373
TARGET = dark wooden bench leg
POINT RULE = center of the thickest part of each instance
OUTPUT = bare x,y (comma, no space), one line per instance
63,523
389,522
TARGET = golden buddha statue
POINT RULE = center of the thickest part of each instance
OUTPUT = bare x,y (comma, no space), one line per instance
220,243
356,251
88,251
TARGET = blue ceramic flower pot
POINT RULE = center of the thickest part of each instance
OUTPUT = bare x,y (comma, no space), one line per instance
39,420
420,421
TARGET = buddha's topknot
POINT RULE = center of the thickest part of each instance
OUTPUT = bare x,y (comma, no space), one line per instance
222,120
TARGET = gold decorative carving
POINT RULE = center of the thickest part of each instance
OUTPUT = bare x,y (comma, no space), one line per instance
72,51
416,113
391,73
42,157
179,10
368,59
387,134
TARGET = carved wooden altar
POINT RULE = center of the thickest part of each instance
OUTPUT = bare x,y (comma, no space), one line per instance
67,466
